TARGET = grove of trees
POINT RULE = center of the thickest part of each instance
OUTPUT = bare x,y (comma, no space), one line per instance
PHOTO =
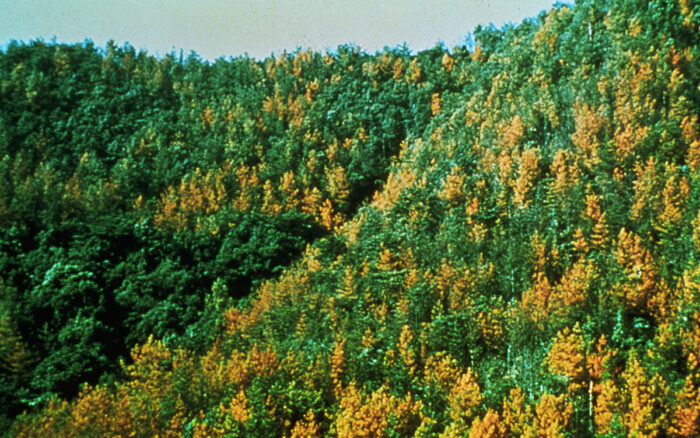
502,239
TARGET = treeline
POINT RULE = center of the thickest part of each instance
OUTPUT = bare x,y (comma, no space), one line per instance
527,262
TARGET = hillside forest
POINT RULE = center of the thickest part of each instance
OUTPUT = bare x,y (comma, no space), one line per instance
499,239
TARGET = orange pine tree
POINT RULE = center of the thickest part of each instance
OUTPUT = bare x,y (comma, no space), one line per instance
515,414
640,268
405,350
552,416
589,122
526,177
513,133
685,417
536,300
447,62
464,397
488,426
306,427
442,370
567,357
452,187
435,103
337,360
644,415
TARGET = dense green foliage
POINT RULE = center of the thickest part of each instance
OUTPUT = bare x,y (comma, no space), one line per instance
498,240
133,185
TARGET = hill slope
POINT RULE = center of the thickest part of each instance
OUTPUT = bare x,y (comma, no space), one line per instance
529,267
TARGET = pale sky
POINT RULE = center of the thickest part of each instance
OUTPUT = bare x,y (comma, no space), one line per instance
215,28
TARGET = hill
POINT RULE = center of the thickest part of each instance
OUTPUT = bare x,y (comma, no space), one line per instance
498,240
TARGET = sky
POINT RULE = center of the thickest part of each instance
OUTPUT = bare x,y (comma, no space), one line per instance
223,28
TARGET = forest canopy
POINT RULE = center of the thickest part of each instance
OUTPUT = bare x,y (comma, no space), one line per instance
500,239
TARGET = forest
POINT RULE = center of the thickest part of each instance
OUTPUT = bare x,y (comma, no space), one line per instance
499,239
